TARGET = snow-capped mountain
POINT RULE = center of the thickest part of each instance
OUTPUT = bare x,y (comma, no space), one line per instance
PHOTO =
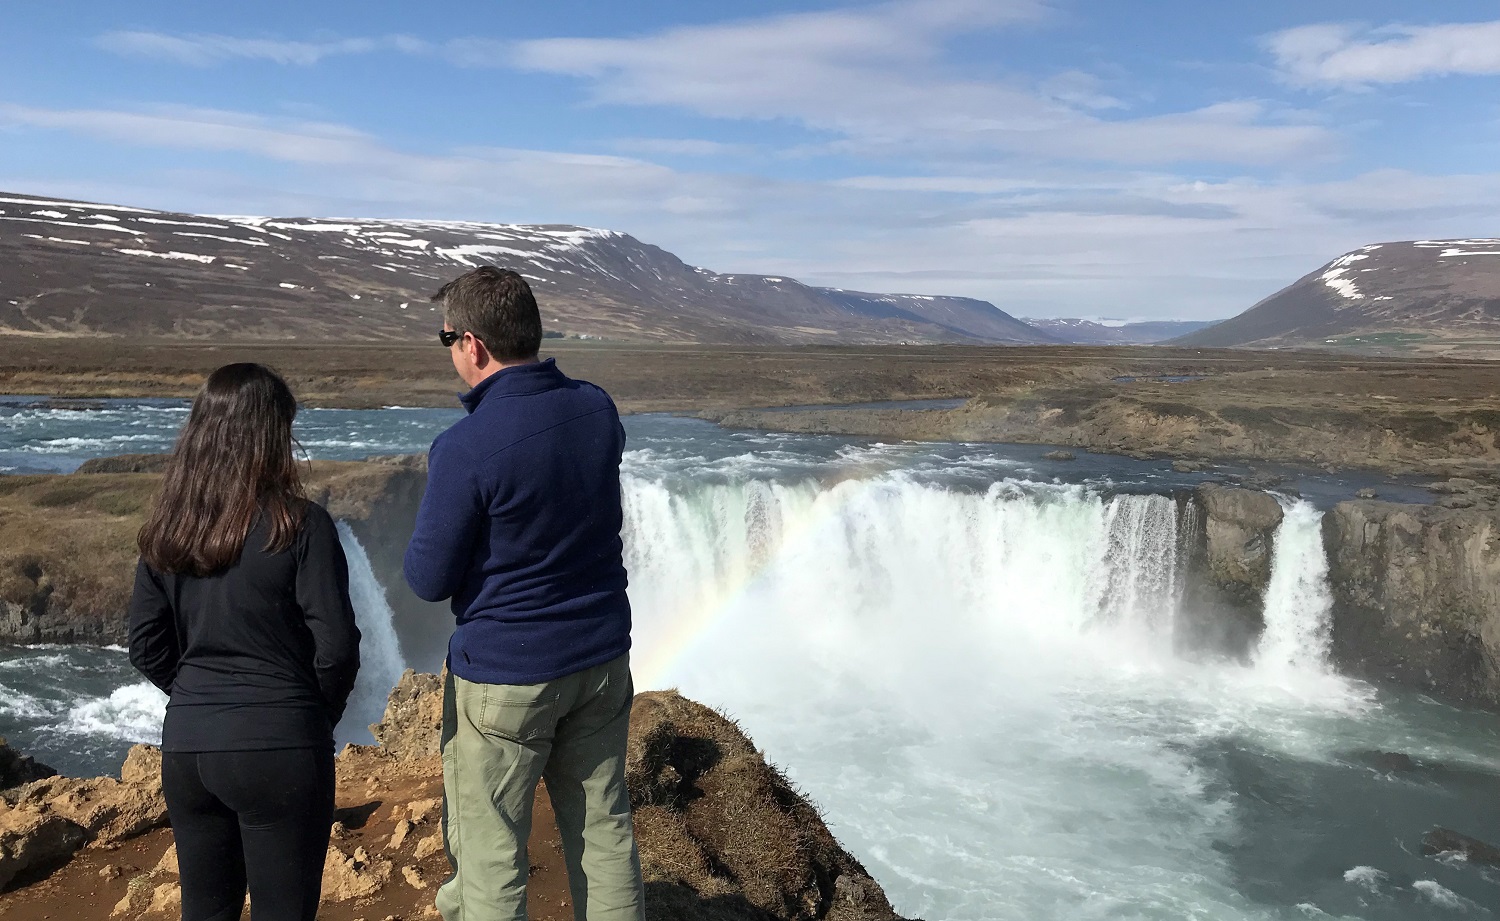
81,268
1438,290
1095,332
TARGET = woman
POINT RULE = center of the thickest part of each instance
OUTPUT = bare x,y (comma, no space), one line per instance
241,614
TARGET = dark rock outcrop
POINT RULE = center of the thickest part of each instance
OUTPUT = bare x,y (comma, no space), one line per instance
16,768
1417,596
717,824
32,841
1226,536
1446,841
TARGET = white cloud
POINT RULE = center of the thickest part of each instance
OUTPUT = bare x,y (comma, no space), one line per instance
680,147
875,78
1053,242
206,50
1338,54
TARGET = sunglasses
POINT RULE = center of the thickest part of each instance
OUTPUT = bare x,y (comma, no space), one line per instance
449,336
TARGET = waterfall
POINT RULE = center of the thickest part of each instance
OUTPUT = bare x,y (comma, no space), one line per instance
1298,603
380,660
1140,572
890,568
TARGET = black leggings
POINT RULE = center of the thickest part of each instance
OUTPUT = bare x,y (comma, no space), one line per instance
259,818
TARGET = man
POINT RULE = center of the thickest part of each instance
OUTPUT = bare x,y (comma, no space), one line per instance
520,527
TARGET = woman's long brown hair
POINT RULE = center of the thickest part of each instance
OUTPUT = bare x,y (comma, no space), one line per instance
233,462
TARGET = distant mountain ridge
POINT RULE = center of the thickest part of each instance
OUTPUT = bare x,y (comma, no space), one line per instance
1423,292
1093,332
75,268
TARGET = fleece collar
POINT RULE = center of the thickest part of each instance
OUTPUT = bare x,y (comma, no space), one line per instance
515,381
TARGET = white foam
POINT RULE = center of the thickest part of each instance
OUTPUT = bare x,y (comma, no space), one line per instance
1438,894
132,713
17,705
1365,877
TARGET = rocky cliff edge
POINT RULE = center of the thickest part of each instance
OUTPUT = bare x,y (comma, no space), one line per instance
722,833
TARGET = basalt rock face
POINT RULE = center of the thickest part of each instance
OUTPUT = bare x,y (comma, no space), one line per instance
1417,596
16,768
1226,536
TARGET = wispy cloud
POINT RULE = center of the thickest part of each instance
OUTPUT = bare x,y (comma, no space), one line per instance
1337,54
207,50
1057,242
680,147
873,77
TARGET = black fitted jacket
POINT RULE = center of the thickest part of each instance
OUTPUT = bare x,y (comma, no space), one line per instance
261,655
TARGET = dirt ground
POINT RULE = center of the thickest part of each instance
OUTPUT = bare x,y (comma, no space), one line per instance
374,794
1433,416
687,378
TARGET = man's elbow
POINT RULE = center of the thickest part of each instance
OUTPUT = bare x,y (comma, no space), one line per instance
423,584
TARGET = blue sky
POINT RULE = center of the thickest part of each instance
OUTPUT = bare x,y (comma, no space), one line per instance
1166,159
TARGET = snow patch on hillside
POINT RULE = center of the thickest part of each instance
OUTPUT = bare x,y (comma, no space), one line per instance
1334,276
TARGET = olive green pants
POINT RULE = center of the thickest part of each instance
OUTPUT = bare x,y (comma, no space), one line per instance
498,740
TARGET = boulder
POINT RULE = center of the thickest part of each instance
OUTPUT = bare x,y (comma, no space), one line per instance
109,810
142,767
351,876
1446,841
16,768
1059,456
33,840
1416,596
413,717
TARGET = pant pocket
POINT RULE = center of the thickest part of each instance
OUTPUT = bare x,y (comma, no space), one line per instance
520,713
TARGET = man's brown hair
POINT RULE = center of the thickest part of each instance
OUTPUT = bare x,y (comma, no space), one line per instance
498,308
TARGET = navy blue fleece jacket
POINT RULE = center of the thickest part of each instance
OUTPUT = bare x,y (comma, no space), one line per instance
520,527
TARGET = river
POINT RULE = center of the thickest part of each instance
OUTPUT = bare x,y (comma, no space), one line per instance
963,653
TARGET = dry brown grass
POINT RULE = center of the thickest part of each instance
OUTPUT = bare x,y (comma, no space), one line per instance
68,550
716,820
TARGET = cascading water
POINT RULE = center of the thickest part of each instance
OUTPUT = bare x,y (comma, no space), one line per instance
380,660
891,561
1298,604
978,685
1138,583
